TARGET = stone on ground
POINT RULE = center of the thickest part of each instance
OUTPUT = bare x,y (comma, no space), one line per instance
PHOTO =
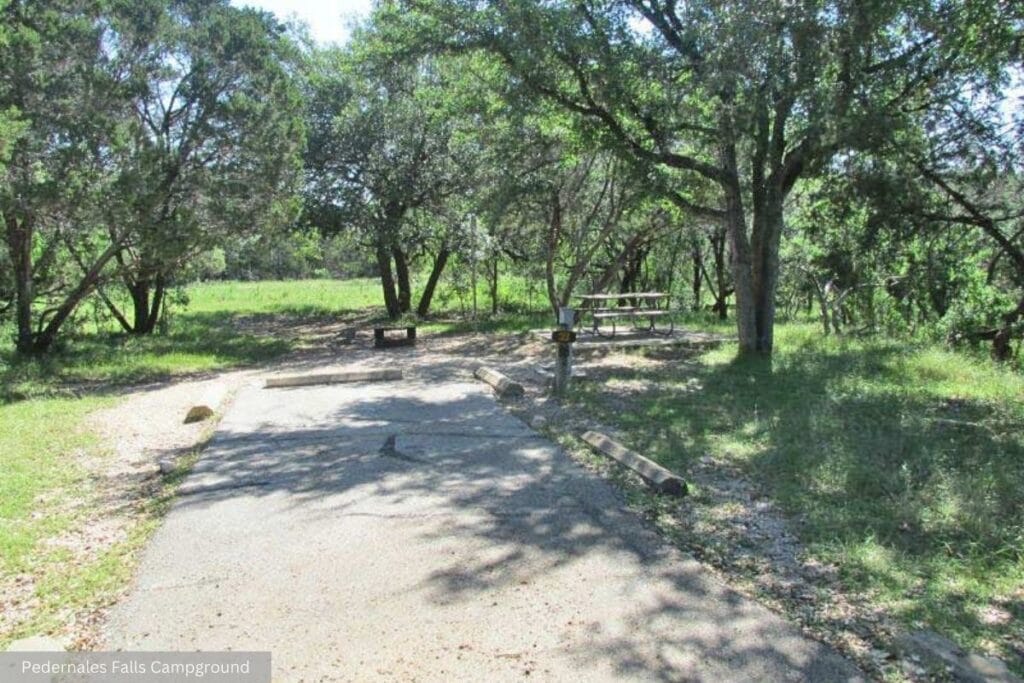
198,414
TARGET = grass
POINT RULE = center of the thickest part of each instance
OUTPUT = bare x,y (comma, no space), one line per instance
37,440
202,336
903,464
66,583
309,298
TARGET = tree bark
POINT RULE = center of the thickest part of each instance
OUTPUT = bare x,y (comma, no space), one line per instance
494,286
435,274
19,246
404,283
697,258
720,287
554,234
765,267
157,305
138,290
739,245
387,281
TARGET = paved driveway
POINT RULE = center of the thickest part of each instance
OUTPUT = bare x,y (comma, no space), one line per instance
415,531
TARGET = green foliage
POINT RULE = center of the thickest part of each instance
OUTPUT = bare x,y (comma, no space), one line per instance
977,306
134,136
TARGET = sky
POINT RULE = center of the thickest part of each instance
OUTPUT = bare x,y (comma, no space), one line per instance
328,20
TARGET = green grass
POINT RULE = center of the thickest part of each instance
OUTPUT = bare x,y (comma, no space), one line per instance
300,297
45,491
38,440
904,463
202,336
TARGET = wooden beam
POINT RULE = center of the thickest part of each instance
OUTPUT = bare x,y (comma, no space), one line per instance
656,476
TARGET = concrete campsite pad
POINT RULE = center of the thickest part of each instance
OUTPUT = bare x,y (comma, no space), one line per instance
416,531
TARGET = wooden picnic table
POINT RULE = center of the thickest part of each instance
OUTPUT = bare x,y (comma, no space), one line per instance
623,295
651,312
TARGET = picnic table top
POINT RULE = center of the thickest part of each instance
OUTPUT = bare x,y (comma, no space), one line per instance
622,295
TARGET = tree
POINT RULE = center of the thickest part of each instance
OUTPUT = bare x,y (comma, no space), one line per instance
212,149
745,97
61,95
384,146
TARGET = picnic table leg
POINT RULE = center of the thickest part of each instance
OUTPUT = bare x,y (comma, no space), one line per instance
671,326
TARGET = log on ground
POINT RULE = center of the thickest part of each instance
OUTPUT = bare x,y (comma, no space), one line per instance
656,476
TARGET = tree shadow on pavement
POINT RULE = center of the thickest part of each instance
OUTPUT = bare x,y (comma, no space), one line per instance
494,513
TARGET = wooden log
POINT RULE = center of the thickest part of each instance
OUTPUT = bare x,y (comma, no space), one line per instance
656,476
335,378
504,387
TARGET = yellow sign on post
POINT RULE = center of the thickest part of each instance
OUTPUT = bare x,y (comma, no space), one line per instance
563,336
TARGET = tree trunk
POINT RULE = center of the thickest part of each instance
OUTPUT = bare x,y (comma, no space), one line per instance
387,281
19,246
698,272
114,311
739,248
404,284
157,305
494,286
1002,349
435,274
721,290
138,290
44,340
554,231
765,268
631,274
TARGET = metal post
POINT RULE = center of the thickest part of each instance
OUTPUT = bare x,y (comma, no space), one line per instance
563,338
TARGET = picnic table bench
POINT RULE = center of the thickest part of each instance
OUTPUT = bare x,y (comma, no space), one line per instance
651,312
382,340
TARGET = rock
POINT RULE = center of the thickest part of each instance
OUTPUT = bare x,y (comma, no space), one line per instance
36,644
166,465
198,414
538,422
939,652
